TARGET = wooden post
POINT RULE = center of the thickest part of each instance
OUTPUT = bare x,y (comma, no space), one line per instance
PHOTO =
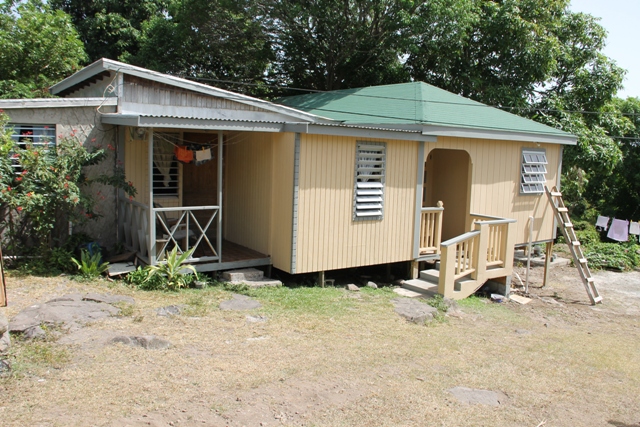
547,260
3,285
152,213
219,235
414,269
321,278
447,271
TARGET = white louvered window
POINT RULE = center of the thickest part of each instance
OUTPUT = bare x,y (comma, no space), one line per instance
32,135
165,167
533,171
368,203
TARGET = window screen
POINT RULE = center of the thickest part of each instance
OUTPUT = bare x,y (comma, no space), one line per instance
32,135
533,171
369,181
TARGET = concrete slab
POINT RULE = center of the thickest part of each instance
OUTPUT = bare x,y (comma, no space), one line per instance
407,293
520,258
251,274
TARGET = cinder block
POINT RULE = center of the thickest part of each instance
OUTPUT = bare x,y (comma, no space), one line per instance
252,274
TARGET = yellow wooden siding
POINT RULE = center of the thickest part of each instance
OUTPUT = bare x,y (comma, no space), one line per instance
247,203
495,182
136,169
328,238
282,200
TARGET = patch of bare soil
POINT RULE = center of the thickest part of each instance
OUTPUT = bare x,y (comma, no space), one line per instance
558,360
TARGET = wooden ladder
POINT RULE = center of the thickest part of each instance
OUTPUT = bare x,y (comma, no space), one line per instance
564,222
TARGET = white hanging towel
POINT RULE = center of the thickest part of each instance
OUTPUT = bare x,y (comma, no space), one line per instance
619,230
603,222
203,156
634,228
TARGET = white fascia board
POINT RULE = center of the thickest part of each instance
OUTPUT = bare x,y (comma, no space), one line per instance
8,104
190,123
82,75
461,132
365,132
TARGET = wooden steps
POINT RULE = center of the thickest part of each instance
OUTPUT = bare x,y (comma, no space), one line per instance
566,226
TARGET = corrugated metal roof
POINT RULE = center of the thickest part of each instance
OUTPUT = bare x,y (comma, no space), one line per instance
413,103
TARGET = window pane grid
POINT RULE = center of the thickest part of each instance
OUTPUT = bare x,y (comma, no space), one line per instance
369,181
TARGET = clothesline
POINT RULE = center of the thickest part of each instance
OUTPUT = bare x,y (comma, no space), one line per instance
620,229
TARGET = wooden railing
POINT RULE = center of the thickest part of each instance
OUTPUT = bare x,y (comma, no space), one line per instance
430,230
190,228
133,226
479,255
185,228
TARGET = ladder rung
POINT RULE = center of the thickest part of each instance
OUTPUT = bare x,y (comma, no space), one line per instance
568,225
582,260
597,299
576,243
590,279
556,194
563,210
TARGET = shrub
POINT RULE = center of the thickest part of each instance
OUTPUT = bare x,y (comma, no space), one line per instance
90,265
618,256
168,276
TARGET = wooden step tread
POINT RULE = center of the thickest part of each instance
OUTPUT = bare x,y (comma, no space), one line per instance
556,194
582,260
563,210
576,243
568,225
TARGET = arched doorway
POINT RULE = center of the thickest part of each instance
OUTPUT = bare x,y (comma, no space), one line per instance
447,178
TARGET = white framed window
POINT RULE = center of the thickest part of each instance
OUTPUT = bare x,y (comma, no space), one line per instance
32,135
370,168
166,175
533,171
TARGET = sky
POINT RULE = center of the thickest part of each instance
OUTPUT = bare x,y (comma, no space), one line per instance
621,19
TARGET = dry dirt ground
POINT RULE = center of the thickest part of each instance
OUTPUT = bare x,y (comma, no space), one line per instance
327,357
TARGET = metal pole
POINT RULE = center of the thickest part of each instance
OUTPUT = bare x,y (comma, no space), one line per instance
219,237
152,214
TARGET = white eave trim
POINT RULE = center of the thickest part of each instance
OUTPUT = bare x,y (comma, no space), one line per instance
138,120
9,104
119,67
505,135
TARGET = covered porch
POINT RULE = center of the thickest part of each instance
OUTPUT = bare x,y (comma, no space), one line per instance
179,204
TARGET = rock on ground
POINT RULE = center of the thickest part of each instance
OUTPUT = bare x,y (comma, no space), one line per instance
352,287
168,311
478,397
69,311
149,342
414,311
5,340
239,302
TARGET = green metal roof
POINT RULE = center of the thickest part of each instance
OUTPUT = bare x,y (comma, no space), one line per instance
417,103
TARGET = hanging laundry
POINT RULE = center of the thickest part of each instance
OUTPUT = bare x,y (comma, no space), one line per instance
183,154
634,228
619,230
602,222
202,156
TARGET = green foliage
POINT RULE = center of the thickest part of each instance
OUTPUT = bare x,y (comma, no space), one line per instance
39,47
50,190
172,270
615,256
90,266
140,279
438,302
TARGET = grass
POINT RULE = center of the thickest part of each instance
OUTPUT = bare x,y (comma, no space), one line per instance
329,357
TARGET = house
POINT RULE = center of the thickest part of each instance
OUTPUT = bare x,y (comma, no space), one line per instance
317,182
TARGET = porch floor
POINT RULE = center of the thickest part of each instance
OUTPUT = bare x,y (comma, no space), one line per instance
235,256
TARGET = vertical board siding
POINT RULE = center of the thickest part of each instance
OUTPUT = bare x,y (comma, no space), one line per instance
282,200
328,238
495,182
248,181
136,166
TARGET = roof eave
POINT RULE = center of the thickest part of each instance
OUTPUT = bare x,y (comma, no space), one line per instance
502,135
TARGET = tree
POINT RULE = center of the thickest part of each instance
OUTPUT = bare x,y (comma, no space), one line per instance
338,44
38,47
110,28
218,39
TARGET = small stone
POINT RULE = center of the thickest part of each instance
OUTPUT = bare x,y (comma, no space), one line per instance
372,285
149,342
352,287
478,397
34,332
414,311
522,332
256,319
5,367
168,311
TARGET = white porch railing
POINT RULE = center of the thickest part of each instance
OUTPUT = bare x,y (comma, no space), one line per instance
152,232
185,231
133,226
482,254
430,230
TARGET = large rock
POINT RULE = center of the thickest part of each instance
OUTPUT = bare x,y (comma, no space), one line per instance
414,311
69,311
5,342
240,302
